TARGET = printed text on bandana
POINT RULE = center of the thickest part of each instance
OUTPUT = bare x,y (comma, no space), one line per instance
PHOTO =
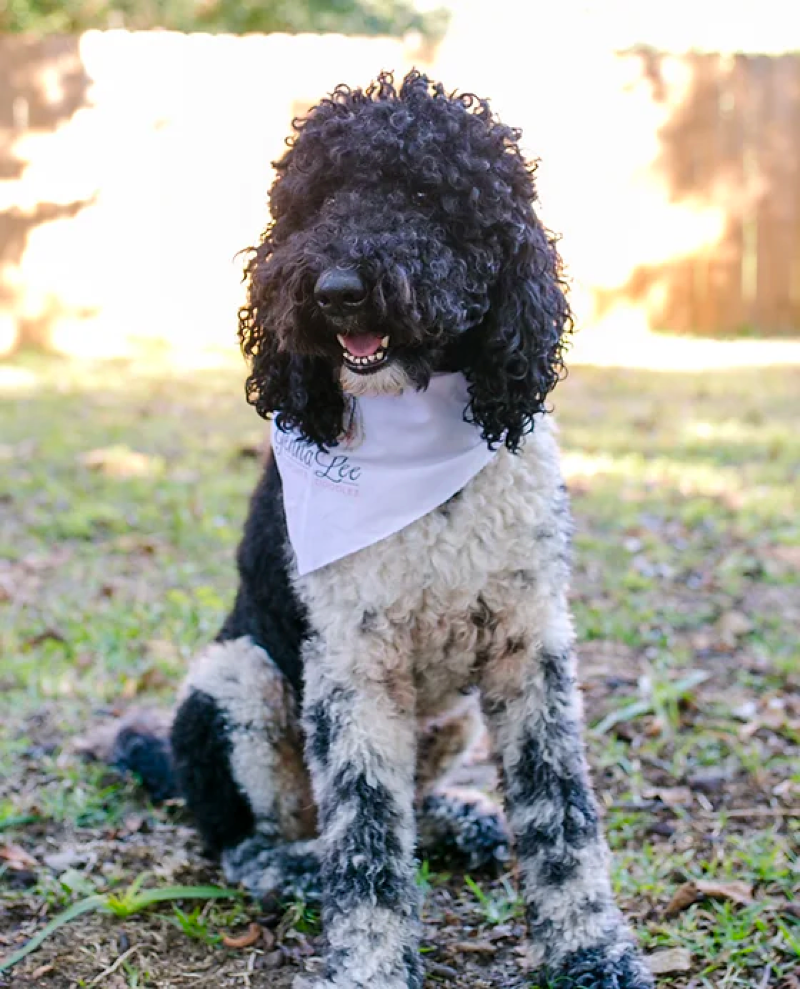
328,469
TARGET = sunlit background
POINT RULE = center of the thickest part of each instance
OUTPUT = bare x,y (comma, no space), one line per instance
134,163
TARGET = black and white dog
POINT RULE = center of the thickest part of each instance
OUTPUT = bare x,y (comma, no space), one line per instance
317,730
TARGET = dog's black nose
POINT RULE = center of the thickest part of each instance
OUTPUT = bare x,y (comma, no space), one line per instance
340,290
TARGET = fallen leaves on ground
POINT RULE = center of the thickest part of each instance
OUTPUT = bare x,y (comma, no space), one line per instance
691,892
17,858
669,961
472,948
672,796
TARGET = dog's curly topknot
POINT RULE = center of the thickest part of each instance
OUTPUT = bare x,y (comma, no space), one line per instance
427,194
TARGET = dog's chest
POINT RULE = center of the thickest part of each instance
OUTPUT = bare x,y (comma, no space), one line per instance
430,600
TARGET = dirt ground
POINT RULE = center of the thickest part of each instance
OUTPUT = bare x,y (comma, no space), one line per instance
124,488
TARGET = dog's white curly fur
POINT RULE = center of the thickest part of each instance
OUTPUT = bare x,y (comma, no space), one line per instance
470,599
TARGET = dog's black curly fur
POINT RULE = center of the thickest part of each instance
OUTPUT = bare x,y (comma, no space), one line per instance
429,197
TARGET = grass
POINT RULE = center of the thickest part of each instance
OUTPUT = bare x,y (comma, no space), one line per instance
498,906
124,489
131,901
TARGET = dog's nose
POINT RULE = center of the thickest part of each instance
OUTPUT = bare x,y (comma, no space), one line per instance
340,290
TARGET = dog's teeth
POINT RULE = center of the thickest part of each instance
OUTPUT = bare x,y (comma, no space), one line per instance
385,341
342,341
367,359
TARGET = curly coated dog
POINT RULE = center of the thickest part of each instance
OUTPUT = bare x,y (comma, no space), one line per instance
313,739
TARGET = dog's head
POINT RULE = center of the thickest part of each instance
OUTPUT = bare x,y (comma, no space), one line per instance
403,241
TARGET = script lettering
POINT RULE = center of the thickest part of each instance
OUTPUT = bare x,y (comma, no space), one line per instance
336,468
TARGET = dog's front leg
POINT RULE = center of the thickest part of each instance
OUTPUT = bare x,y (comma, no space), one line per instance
579,939
360,729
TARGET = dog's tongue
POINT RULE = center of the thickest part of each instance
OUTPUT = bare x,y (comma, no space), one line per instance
363,344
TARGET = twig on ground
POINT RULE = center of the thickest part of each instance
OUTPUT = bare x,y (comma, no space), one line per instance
112,968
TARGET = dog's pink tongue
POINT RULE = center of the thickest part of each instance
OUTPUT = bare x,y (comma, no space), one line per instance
363,344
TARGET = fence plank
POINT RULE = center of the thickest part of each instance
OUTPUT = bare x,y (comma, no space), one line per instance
709,262
726,262
772,266
787,88
792,79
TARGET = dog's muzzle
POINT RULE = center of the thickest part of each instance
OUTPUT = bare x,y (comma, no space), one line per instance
340,294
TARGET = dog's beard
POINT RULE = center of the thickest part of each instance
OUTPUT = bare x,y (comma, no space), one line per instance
389,380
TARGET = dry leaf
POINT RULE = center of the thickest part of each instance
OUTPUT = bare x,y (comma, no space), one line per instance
735,891
670,960
689,893
69,858
702,640
732,626
17,858
120,461
473,948
672,796
684,897
243,940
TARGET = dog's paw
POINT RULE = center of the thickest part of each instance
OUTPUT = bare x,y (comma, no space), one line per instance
621,967
268,870
464,828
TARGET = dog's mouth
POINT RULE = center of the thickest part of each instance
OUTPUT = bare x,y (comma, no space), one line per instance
364,353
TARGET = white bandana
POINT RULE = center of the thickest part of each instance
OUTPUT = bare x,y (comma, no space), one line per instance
406,455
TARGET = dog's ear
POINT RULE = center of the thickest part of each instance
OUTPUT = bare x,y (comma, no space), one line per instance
299,391
516,353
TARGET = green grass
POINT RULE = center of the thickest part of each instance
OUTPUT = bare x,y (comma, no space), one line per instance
119,564
123,905
500,905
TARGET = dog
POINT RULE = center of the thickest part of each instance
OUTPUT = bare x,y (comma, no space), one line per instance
314,738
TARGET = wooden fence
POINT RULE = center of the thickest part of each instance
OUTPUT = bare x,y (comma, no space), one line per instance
733,140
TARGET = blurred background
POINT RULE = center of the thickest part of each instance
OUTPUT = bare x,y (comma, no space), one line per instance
135,145
136,141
